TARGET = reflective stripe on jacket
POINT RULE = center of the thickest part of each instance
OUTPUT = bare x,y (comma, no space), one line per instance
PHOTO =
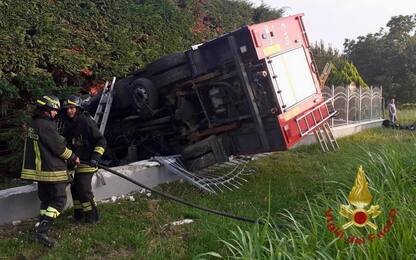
83,168
45,153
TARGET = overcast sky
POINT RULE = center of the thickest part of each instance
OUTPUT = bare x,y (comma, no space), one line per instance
335,20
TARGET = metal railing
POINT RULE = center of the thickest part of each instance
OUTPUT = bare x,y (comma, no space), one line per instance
354,104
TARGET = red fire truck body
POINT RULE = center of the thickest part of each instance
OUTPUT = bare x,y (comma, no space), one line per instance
287,37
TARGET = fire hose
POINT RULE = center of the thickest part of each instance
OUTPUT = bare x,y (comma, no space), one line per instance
181,201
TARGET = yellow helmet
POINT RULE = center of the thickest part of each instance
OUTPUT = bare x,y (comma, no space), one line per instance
73,101
49,102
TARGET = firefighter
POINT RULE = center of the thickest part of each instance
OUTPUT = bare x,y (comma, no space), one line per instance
82,135
44,161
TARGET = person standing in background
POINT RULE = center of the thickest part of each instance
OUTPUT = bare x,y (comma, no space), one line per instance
392,111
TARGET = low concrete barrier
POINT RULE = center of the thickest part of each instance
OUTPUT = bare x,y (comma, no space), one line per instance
22,202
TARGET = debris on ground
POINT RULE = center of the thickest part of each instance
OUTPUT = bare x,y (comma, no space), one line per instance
16,222
181,222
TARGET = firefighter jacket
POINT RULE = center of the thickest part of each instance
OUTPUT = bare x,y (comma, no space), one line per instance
45,153
85,139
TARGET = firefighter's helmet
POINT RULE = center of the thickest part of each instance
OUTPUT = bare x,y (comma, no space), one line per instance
73,101
48,102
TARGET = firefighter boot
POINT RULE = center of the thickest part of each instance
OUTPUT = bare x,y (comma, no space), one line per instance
78,215
92,216
41,231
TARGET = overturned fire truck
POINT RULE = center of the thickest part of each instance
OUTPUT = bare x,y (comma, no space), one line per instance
253,90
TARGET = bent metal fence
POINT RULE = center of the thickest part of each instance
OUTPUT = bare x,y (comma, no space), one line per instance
355,104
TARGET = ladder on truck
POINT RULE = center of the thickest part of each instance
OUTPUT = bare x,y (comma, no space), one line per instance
324,136
104,106
325,73
316,121
101,115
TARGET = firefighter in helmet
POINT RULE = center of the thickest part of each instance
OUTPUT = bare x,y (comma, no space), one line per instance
44,161
82,135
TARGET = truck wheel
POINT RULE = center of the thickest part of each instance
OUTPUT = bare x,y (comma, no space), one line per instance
145,91
171,76
205,153
122,94
165,63
201,162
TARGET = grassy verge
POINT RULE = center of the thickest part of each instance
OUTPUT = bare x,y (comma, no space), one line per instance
390,174
293,187
404,115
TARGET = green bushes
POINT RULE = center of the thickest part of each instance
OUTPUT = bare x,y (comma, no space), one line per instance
344,74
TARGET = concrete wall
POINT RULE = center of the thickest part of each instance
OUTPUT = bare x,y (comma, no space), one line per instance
22,202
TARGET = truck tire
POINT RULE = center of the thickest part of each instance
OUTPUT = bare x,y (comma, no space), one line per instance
205,153
172,76
201,162
165,63
122,94
144,90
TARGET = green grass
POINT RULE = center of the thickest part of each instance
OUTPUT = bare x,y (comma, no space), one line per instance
406,116
293,187
391,177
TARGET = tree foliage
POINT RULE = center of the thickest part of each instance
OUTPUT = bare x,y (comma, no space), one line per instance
323,54
343,72
388,57
60,47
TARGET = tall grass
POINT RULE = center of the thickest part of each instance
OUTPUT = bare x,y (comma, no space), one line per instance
405,116
391,177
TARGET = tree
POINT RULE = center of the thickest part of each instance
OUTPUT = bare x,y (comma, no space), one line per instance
264,13
388,57
323,54
343,73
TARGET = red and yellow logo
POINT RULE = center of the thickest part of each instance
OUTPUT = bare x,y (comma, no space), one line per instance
360,198
357,213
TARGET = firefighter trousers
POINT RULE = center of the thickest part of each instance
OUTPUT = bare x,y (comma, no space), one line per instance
52,197
82,195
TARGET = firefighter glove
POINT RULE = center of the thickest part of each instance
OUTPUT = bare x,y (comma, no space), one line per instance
74,159
93,163
95,156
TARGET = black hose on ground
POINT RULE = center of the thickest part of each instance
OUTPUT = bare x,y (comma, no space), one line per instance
178,200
